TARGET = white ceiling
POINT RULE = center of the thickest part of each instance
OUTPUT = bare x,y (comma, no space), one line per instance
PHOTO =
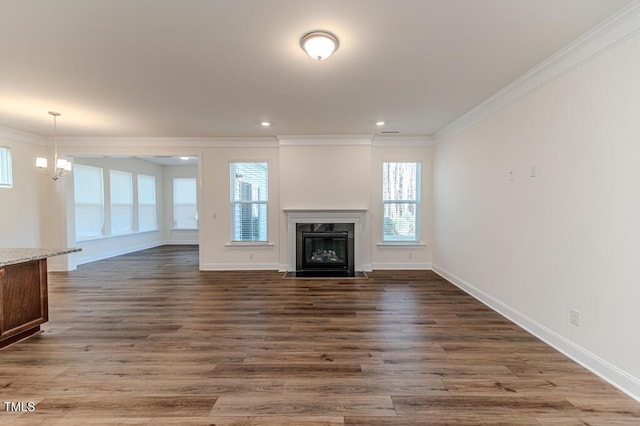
206,68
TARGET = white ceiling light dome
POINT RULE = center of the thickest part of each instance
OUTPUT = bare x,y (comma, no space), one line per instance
319,44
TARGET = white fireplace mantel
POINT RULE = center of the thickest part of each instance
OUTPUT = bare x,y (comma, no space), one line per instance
355,216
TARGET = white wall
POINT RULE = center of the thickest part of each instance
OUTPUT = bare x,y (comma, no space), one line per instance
409,256
304,172
325,174
321,176
308,173
22,207
216,252
110,246
536,247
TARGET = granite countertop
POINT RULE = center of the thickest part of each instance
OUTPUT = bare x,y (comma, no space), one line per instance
11,256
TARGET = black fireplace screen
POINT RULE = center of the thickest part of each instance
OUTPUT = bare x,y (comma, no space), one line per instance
325,250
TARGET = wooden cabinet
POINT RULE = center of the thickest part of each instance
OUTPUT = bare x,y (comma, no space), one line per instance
23,300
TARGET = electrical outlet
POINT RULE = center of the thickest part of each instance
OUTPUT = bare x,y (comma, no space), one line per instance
251,256
533,171
512,175
575,317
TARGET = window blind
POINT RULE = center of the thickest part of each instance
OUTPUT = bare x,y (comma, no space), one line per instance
121,202
185,203
400,198
89,201
147,212
249,200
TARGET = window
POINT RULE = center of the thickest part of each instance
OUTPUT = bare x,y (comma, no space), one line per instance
185,203
89,202
400,201
90,208
121,202
249,197
6,174
147,214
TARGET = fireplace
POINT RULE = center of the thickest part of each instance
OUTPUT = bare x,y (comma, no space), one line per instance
325,251
330,225
324,248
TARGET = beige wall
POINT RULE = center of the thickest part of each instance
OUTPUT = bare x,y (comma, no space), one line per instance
22,207
325,176
216,252
568,238
310,175
407,256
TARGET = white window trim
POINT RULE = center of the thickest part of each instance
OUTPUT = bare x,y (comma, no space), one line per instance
247,243
418,203
9,165
401,243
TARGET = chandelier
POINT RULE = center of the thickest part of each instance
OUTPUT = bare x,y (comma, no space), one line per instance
62,166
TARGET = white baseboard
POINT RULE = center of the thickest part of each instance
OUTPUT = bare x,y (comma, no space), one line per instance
622,380
392,266
114,253
239,267
181,243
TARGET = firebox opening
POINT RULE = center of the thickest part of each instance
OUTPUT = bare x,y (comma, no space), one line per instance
325,249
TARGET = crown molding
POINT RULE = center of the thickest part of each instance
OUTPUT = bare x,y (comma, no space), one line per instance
168,142
614,30
323,140
395,141
20,136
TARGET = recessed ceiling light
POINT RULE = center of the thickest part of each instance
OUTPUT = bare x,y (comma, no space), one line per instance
265,124
319,44
184,158
379,123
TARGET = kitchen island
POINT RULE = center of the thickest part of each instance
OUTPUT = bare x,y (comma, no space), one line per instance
23,291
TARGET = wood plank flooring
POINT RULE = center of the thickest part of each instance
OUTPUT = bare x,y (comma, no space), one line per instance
146,338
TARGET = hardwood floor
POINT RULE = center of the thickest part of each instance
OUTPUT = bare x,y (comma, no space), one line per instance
148,339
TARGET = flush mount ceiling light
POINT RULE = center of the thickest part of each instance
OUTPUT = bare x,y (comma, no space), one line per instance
265,124
319,44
